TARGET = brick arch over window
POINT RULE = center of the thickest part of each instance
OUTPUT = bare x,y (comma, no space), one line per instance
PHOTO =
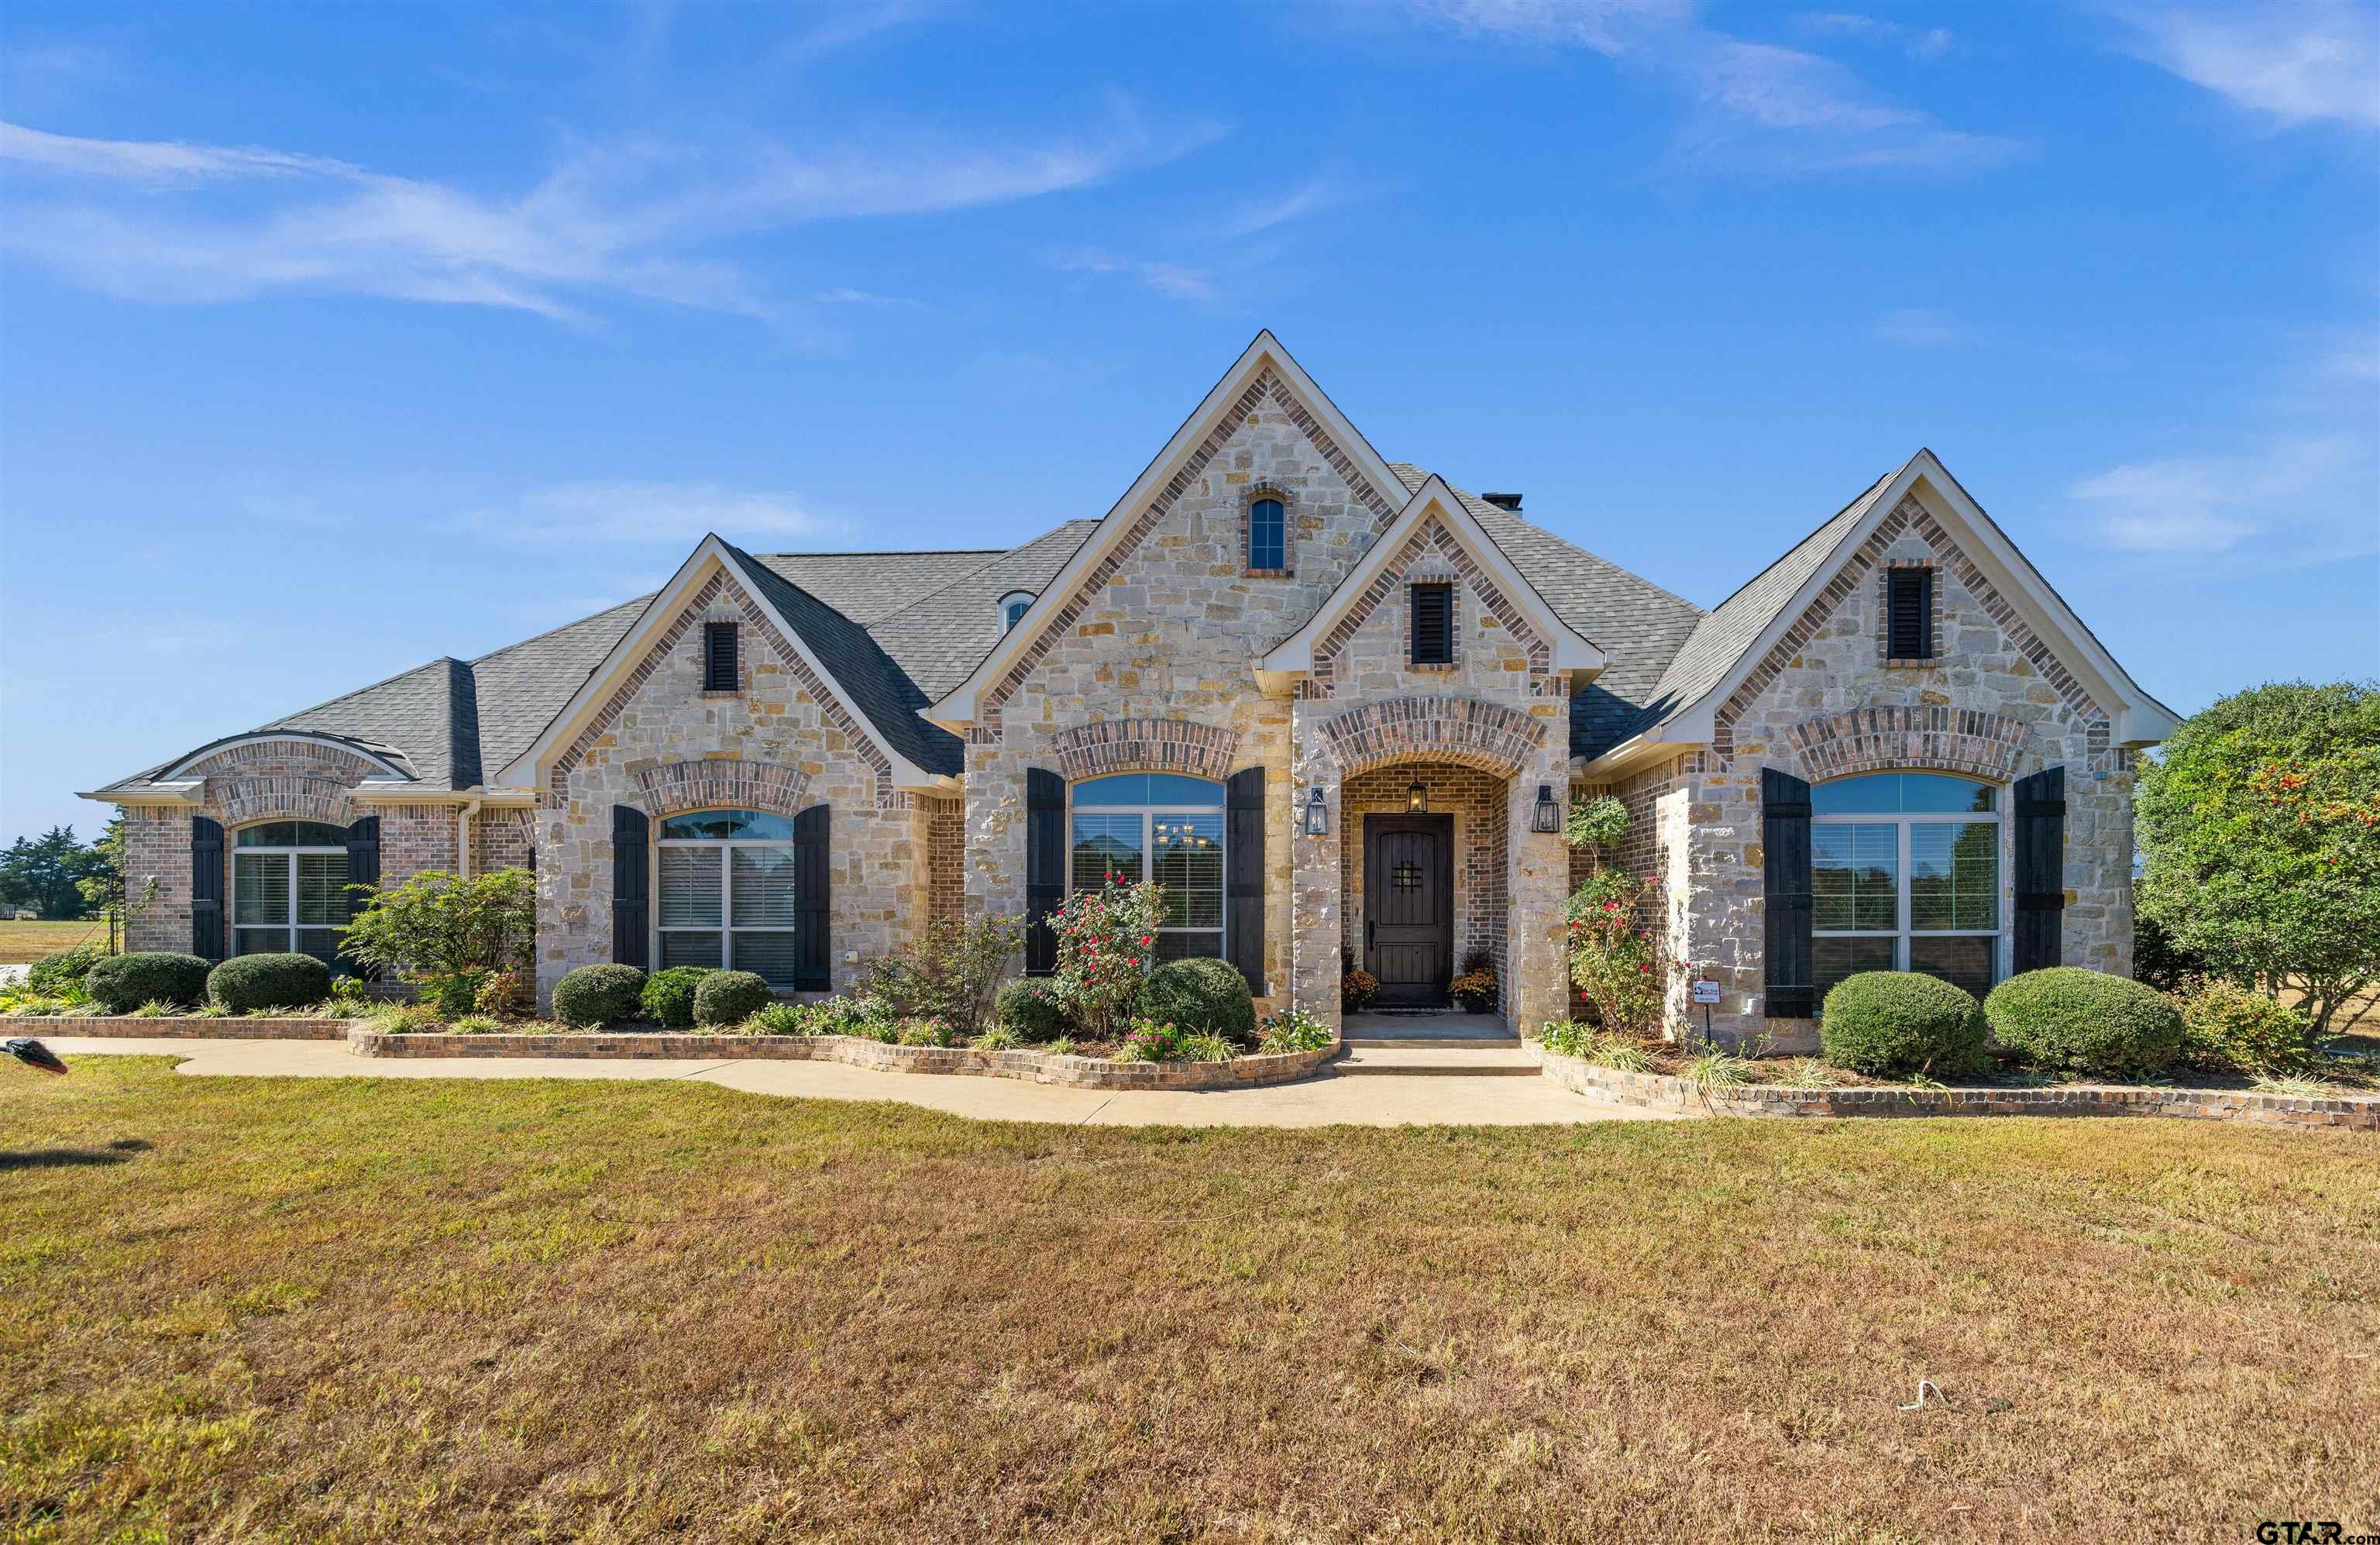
678,786
1146,746
1968,741
1463,731
245,801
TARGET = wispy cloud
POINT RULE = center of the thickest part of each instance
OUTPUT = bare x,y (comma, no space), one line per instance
2304,61
169,221
2304,498
1926,43
1917,328
1177,280
668,514
1755,106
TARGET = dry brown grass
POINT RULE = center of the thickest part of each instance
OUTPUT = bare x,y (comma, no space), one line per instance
363,1309
23,942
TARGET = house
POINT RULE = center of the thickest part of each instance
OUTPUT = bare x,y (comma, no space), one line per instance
1335,703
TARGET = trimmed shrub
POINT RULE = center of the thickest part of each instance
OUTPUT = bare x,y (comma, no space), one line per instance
2228,1027
2081,1021
1032,1009
594,995
248,982
120,983
1891,1022
61,974
1202,996
669,995
724,998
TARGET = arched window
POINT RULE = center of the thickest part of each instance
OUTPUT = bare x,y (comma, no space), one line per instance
289,889
1160,826
1267,536
727,893
1905,871
1012,607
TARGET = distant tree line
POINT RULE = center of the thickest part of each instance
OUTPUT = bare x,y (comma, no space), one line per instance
61,878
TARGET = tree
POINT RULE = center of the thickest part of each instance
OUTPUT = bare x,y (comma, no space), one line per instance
452,934
44,873
2260,826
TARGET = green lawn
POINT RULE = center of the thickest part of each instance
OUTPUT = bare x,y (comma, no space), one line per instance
356,1310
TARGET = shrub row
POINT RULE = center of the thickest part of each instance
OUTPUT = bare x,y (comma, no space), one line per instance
120,983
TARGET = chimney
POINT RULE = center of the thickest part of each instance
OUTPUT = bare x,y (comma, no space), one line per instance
1504,500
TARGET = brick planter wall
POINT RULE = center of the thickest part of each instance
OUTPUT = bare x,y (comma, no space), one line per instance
1660,1090
1035,1066
177,1030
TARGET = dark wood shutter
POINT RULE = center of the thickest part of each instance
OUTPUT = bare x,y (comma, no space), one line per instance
1243,864
1433,625
632,858
363,868
719,657
1912,616
813,902
2040,868
1785,871
206,888
1045,866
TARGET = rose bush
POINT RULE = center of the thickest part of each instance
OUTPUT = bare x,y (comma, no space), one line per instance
1106,946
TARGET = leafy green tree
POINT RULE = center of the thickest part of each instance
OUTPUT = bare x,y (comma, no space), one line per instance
2260,825
442,928
45,873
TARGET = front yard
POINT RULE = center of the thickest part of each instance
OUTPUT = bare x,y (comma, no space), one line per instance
251,1309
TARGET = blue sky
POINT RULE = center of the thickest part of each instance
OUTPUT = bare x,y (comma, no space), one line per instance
336,339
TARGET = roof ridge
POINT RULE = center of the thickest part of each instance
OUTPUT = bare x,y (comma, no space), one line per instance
281,721
884,552
1795,545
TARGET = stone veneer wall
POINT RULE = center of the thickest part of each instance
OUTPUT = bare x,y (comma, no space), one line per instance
1477,800
1995,703
779,715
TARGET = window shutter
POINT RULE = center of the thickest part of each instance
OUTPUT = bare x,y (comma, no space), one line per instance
2040,868
206,888
813,928
1912,620
1045,866
1433,625
1244,859
363,868
719,657
1786,905
632,856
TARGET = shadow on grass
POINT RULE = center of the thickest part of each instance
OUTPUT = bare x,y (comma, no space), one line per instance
115,1152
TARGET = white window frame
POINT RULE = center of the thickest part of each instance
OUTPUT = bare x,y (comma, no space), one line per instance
1011,598
1148,814
1901,821
293,926
727,926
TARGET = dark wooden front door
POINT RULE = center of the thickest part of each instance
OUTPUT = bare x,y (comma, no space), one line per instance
1409,907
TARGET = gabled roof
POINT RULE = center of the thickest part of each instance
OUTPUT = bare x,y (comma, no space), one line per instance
937,638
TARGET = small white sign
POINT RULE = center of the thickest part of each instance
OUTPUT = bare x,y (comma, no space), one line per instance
1705,991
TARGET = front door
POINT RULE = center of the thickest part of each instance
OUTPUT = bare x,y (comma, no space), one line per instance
1409,907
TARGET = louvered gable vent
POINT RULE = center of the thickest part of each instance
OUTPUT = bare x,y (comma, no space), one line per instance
1433,625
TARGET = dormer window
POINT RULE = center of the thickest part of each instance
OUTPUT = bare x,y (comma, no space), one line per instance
719,657
1012,607
1267,536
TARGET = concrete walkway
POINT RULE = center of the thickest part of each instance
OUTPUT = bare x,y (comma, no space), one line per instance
1328,1101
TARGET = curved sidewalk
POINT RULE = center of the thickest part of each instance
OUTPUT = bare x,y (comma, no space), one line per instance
1328,1101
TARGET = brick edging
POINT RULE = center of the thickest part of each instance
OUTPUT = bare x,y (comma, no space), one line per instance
1034,1067
178,1029
2354,1114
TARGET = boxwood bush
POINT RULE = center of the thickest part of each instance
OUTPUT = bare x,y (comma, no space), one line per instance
248,982
1030,1007
728,998
1202,996
1893,1023
597,996
669,995
2237,1029
120,983
2080,1021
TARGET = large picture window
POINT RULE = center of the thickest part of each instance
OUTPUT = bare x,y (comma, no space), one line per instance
726,883
1905,876
289,889
1160,826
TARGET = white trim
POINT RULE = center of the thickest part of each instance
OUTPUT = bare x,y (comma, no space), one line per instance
1010,600
192,791
527,770
233,926
1571,651
216,748
1903,822
726,928
958,708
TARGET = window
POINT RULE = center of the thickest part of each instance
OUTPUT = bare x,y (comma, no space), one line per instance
289,889
1433,625
1267,537
1905,876
727,894
1909,614
1012,607
1159,826
719,657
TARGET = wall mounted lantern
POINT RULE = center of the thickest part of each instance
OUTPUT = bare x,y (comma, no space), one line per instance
1547,815
1317,814
1417,797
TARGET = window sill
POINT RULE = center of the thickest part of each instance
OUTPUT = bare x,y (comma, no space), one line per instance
1925,664
1268,574
1432,665
714,692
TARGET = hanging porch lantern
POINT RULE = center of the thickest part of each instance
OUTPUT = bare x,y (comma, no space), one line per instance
1547,817
1417,797
1317,814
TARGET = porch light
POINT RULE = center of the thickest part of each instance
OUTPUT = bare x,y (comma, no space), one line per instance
1417,797
1547,817
1318,815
